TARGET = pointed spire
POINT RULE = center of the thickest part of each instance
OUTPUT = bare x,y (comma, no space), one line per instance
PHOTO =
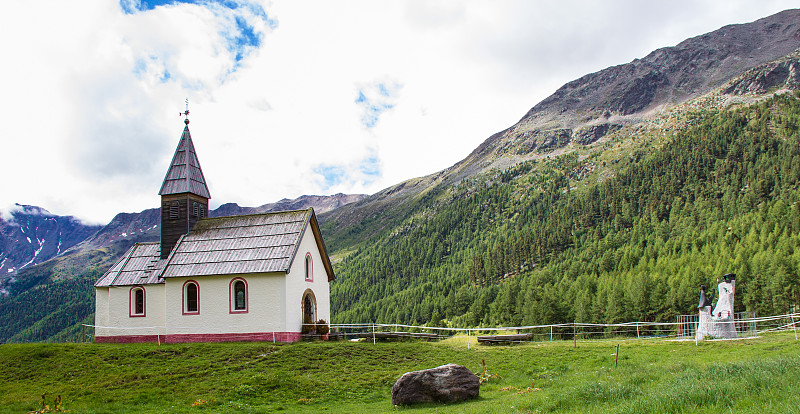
184,174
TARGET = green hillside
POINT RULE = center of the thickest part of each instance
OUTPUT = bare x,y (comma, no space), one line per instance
746,376
621,231
49,302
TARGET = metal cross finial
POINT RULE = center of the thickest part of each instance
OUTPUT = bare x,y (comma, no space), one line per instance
185,113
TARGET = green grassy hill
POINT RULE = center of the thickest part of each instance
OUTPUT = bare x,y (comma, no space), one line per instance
623,231
655,376
49,301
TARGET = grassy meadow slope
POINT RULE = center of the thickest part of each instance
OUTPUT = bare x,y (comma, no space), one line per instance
744,376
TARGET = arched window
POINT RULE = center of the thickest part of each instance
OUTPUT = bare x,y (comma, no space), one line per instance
137,302
238,292
309,268
191,298
238,296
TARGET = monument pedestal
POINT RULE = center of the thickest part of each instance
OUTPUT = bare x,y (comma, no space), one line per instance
722,327
719,323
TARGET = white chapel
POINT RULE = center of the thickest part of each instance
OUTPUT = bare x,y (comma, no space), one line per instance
240,278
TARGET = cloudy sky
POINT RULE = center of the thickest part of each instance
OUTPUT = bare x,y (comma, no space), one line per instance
292,97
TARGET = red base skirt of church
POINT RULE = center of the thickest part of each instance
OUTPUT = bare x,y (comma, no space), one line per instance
224,337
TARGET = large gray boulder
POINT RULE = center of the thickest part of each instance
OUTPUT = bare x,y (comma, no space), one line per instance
447,383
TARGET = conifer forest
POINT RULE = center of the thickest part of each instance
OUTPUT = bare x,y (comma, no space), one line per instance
552,241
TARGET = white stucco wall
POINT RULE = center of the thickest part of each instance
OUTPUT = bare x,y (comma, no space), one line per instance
264,313
296,284
275,302
112,309
101,311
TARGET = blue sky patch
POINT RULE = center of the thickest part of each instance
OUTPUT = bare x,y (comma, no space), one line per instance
376,99
370,167
332,174
143,67
133,6
365,172
244,38
241,34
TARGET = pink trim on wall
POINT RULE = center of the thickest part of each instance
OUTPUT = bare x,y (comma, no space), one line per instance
309,267
126,339
224,337
235,337
183,298
132,302
232,298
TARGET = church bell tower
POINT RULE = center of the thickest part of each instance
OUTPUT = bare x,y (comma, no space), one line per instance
184,194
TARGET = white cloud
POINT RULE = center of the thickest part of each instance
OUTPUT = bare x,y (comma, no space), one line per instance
91,93
7,213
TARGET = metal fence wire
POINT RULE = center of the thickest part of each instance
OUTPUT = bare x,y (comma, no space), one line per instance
745,323
685,328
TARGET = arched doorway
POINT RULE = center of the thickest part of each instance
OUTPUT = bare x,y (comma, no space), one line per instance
309,304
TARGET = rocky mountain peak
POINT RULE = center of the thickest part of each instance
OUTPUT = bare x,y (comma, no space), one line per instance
672,75
584,110
30,235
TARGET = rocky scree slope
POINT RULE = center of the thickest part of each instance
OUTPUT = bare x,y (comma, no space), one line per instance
586,109
32,235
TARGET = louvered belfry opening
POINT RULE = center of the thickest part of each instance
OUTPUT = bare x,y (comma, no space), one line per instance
179,214
184,194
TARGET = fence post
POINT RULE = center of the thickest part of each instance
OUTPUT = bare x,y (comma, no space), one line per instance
373,333
637,330
551,333
795,328
575,334
467,338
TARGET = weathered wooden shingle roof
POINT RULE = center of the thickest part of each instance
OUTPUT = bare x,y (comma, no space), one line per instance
139,266
184,174
257,243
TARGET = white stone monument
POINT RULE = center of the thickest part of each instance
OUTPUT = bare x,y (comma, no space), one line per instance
718,323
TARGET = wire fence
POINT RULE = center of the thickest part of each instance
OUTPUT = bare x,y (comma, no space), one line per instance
685,328
747,326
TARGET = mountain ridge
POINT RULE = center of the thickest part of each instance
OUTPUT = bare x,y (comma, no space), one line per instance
30,235
620,95
23,243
